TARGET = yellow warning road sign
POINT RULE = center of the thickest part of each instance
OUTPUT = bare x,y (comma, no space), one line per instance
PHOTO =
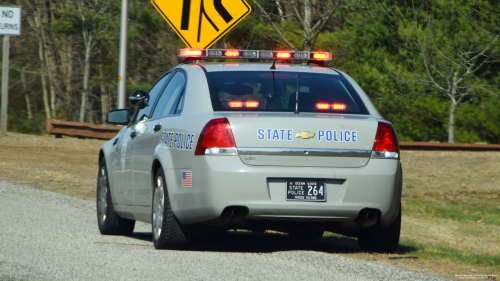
200,23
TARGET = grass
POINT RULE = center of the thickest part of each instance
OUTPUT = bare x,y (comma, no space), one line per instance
426,251
454,212
439,252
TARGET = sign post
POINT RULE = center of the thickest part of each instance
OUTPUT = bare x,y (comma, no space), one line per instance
10,24
200,23
122,62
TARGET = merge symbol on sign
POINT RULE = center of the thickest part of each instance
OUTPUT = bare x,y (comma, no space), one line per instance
200,23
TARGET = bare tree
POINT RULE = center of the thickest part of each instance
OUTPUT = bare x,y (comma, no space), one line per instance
94,26
311,15
449,60
36,23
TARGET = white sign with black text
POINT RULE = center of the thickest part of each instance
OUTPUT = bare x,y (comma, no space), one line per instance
10,20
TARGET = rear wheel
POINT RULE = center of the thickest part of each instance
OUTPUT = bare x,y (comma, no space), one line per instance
381,240
108,221
168,232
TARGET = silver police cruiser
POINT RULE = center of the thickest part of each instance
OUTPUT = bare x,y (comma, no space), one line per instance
280,142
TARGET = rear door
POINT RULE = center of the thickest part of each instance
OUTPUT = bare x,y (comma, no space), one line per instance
126,174
145,145
123,193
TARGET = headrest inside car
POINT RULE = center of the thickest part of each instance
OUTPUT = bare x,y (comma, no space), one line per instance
238,90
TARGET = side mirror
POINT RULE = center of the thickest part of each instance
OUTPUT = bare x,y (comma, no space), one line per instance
137,96
118,117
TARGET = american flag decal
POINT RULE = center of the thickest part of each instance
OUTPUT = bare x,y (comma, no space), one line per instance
187,180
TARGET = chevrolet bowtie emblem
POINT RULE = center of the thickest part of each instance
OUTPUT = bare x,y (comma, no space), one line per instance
305,135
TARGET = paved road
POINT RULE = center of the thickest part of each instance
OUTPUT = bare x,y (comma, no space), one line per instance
48,236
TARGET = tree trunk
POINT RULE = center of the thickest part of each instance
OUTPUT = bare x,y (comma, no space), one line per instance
451,123
67,65
307,25
104,98
86,73
45,59
280,11
48,67
26,96
38,25
44,83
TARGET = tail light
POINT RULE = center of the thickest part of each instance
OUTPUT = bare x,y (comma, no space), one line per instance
216,138
386,142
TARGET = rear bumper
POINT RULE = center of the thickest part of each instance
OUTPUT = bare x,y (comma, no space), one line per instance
223,181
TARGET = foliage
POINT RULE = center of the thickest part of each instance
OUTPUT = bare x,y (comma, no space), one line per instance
18,121
370,40
382,51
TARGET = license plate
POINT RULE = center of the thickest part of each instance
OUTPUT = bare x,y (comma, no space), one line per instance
305,191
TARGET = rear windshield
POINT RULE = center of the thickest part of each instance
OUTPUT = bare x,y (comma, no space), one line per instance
277,91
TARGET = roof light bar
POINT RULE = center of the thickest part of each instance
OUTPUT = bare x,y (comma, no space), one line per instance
254,54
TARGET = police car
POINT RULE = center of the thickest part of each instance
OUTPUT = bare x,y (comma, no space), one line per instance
277,142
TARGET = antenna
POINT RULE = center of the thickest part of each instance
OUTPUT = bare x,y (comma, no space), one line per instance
297,95
273,67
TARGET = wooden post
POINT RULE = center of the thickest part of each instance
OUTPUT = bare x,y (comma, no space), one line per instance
5,84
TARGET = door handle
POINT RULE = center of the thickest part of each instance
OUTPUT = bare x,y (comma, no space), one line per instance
157,128
133,134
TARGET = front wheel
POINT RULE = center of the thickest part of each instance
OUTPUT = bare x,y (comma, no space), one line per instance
108,221
168,232
381,240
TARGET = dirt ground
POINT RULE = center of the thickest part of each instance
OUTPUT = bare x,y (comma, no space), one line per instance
69,166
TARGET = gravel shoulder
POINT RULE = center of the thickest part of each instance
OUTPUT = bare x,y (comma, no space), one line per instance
49,236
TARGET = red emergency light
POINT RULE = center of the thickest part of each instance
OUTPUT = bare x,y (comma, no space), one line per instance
235,104
334,106
339,106
190,53
252,103
322,56
283,55
231,53
322,105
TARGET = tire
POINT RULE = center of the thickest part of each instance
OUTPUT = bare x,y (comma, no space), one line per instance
108,221
168,232
381,240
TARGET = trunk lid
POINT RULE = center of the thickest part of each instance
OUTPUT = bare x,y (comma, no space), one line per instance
306,139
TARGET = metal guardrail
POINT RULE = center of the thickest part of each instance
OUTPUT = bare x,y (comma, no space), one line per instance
448,146
61,127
